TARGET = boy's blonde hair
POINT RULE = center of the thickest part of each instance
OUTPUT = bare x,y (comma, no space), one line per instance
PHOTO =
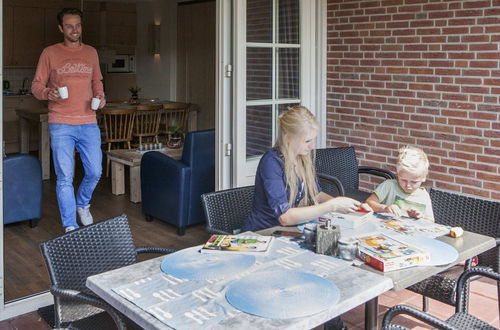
296,123
413,160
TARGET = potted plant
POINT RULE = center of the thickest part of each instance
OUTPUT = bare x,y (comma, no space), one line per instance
135,95
175,135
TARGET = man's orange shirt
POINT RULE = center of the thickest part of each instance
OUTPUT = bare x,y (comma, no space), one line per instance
77,69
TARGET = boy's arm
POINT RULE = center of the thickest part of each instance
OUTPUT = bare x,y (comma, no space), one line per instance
378,207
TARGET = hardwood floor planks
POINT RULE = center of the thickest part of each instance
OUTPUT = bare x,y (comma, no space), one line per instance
24,268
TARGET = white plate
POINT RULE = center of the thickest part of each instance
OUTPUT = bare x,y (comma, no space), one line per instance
193,265
441,253
282,294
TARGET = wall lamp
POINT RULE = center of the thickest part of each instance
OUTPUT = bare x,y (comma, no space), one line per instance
154,46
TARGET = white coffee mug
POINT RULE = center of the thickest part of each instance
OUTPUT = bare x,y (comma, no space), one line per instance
95,103
63,92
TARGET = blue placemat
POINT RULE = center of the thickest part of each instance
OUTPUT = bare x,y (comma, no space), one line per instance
440,252
193,265
282,294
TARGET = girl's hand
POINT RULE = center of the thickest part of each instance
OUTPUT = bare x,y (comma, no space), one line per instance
344,204
53,94
366,207
414,213
393,209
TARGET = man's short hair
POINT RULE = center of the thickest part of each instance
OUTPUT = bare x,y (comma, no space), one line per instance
68,11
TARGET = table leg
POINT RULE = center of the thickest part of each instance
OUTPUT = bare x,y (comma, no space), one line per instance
44,150
117,178
135,184
24,135
371,313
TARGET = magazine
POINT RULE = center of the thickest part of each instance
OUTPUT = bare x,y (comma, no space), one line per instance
386,253
351,220
253,244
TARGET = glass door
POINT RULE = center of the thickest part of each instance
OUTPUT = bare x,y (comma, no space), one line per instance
274,68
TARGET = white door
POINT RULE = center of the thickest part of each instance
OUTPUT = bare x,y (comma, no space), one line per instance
273,64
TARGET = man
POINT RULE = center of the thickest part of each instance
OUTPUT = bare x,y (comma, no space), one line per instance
72,123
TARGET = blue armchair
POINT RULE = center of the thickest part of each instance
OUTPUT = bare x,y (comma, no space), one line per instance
22,189
171,189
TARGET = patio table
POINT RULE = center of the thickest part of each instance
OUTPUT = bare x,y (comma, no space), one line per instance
356,286
468,245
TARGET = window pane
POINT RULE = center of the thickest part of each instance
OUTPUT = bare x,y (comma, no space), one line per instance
259,73
288,73
259,20
259,129
288,21
284,107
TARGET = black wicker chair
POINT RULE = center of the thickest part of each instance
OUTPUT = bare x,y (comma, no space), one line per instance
458,321
87,251
473,214
227,210
342,164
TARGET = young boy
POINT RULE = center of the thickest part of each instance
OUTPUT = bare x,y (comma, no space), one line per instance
404,196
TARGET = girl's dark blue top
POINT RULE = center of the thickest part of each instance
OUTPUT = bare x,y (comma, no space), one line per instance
271,193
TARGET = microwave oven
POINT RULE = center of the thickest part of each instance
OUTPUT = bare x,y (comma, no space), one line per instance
122,63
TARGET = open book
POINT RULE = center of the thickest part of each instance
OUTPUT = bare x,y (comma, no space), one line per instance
386,253
249,244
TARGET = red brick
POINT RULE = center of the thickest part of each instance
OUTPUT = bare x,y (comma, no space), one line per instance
495,82
483,167
468,13
454,97
461,122
448,186
488,176
475,192
482,47
469,148
478,90
468,131
446,137
461,105
453,162
492,185
483,73
461,155
462,21
441,128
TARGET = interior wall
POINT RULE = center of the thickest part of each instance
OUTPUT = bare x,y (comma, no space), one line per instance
195,65
156,72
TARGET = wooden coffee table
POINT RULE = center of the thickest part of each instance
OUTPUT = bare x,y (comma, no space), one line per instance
132,158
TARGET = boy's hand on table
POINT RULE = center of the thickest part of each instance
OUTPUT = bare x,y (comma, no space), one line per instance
412,213
394,210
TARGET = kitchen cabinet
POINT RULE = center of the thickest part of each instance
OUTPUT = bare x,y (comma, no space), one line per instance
29,26
28,37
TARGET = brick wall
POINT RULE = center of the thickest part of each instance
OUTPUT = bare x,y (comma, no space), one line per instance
418,72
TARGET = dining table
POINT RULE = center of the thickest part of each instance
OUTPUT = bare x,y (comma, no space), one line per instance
357,283
158,300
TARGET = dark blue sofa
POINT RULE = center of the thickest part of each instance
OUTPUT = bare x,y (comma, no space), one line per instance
22,189
171,189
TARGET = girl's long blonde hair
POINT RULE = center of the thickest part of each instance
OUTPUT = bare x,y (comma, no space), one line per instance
295,124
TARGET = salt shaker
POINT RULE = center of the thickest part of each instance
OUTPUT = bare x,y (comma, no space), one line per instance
348,248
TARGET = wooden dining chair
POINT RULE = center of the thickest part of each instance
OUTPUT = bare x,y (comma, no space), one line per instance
118,124
147,122
174,115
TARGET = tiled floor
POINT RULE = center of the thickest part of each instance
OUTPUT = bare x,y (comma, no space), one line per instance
483,304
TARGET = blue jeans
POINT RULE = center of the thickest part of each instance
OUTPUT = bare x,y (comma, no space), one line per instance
63,141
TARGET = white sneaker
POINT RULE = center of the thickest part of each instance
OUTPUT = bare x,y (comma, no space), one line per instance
69,228
85,216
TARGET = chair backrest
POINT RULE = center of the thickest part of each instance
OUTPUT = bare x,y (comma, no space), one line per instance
341,163
174,114
90,250
147,120
199,154
471,213
22,188
227,210
118,124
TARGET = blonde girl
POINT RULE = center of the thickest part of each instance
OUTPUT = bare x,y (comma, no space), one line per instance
286,189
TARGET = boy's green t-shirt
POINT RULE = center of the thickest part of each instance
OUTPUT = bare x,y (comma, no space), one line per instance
390,192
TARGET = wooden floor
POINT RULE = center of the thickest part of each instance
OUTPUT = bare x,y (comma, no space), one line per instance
25,272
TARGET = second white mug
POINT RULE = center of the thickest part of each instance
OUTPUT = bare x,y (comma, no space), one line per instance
95,103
